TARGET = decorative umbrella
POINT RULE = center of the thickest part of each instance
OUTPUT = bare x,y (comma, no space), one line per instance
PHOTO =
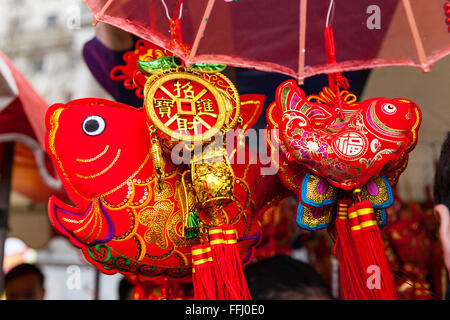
21,112
20,123
287,37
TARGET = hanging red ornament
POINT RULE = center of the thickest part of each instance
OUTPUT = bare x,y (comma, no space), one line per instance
131,76
332,147
123,217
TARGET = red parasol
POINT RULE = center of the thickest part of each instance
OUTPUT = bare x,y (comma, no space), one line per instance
287,37
21,112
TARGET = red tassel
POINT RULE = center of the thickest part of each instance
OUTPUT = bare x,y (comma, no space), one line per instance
203,277
352,282
226,261
372,257
219,263
335,80
227,264
234,264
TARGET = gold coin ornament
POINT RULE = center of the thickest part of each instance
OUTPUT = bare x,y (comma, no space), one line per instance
139,212
192,106
183,106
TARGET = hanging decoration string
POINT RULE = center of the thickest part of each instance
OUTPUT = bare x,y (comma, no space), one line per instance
177,11
205,184
335,80
330,13
175,27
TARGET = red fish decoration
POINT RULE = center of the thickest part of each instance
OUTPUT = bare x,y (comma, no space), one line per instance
343,157
366,140
118,217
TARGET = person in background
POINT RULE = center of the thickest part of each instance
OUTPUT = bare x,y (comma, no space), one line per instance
24,282
442,200
281,277
125,289
104,52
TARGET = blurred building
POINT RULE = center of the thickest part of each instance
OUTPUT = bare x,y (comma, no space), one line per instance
44,39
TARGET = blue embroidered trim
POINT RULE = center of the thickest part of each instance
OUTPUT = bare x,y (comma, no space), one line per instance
383,219
308,227
311,202
390,201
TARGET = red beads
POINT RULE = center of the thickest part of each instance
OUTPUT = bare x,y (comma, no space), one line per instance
447,13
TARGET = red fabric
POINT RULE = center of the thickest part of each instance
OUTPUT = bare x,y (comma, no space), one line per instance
415,253
118,221
251,108
14,119
239,33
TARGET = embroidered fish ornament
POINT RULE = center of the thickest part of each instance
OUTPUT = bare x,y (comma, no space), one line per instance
371,140
119,218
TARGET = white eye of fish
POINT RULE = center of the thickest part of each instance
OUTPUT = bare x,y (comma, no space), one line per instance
389,108
94,125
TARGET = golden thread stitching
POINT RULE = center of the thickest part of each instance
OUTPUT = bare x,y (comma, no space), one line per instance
94,158
104,170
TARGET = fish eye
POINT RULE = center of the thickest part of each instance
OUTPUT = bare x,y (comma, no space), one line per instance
389,108
93,125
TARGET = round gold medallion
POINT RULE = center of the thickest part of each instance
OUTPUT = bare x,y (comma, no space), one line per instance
184,107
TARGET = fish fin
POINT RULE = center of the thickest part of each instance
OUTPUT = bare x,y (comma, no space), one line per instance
379,192
313,218
294,103
251,108
282,94
83,227
317,192
290,99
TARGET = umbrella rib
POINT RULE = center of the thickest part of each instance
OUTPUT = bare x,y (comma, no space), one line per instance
416,36
201,28
102,12
330,13
301,54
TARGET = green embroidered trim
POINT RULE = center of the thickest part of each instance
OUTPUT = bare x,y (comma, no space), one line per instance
208,67
192,225
158,64
284,94
305,108
382,125
164,63
99,248
119,263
